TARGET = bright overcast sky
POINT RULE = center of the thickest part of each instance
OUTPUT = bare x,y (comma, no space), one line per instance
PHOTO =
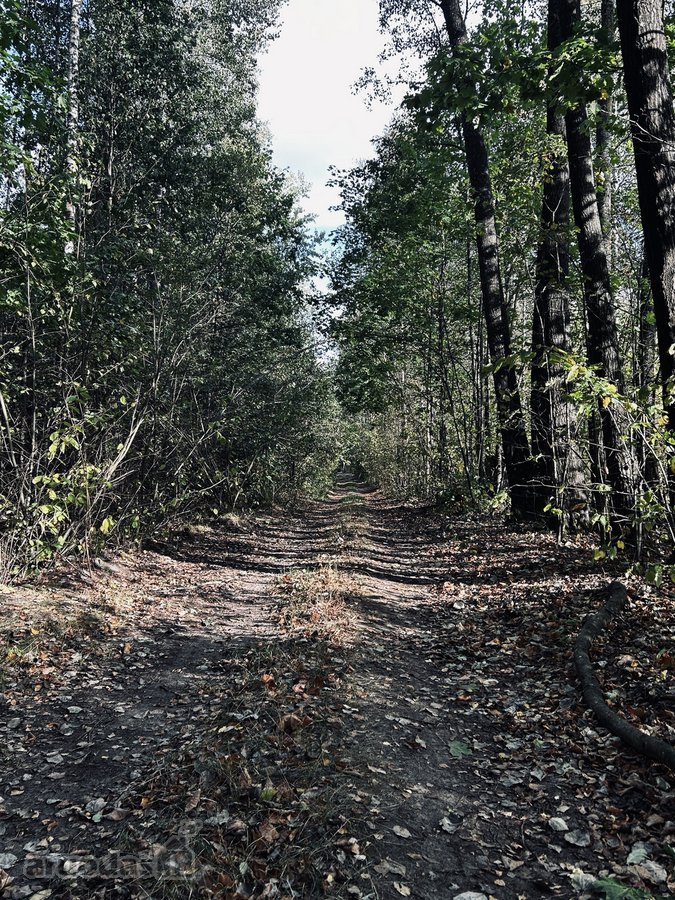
306,93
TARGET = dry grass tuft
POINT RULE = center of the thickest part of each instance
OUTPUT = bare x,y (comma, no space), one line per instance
319,602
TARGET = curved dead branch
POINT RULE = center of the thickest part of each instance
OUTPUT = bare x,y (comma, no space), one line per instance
651,747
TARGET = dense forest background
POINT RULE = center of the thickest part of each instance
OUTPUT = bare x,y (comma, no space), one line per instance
500,321
157,354
506,274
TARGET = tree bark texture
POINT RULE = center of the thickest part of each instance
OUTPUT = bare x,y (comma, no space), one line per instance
73,85
650,104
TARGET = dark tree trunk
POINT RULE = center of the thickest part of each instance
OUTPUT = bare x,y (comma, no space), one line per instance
514,439
646,368
553,419
650,104
602,337
602,133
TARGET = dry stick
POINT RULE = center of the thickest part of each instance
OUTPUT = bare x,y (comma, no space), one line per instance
653,748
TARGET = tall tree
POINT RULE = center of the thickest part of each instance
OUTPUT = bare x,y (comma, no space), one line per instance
602,130
602,336
515,444
553,420
652,122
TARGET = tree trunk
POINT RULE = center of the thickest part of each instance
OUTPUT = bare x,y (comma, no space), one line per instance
514,439
602,134
646,350
650,104
553,418
602,337
645,369
73,112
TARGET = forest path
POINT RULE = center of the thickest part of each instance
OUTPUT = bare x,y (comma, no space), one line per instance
482,774
162,729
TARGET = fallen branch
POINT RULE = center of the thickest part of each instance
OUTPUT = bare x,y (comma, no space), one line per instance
651,747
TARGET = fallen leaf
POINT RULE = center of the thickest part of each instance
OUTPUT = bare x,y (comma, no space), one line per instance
290,723
193,801
458,749
581,880
118,815
651,871
268,833
221,818
389,867
637,855
578,838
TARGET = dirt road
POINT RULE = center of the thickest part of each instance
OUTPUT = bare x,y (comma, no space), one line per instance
172,729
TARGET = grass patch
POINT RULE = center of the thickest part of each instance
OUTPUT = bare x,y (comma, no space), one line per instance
318,602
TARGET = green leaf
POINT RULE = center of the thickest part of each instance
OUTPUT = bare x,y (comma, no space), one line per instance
458,749
614,890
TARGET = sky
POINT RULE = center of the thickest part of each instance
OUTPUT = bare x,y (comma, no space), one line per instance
307,95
